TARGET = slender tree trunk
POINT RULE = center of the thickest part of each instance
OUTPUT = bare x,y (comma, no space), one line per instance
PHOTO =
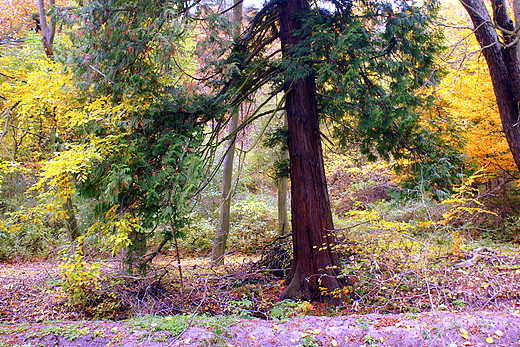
220,240
49,30
503,66
315,268
70,221
283,219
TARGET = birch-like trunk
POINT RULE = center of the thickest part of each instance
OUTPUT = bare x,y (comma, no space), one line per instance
220,240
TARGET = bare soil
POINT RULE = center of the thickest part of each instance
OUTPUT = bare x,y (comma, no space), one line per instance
425,329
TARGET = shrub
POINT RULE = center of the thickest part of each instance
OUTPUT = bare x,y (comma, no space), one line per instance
254,222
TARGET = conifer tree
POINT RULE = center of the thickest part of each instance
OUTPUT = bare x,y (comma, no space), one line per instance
359,67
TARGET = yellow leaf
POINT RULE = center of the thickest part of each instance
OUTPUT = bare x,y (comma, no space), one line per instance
275,327
464,333
490,340
334,343
315,332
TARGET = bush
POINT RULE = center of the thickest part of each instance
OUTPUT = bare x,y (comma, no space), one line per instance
28,241
254,223
197,236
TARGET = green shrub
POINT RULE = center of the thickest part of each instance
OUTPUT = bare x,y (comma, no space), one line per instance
28,241
254,223
197,236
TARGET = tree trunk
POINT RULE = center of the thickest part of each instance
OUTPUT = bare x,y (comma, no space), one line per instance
503,67
48,31
315,268
283,220
219,242
220,239
70,221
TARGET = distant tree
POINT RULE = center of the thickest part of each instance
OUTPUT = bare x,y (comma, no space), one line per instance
219,242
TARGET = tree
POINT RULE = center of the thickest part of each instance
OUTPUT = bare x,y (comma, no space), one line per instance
37,105
48,31
316,266
47,28
220,239
499,42
146,122
358,67
283,180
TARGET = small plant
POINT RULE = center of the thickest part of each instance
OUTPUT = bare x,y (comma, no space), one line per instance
455,325
459,303
425,334
78,279
309,341
369,340
240,308
411,316
174,324
364,323
218,325
284,309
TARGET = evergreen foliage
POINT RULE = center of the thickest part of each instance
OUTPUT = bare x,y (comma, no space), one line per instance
375,66
132,53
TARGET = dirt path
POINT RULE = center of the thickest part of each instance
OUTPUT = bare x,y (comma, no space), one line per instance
425,329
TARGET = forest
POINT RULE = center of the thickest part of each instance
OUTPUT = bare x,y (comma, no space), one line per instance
189,162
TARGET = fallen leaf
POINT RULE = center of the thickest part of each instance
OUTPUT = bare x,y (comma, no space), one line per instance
490,340
464,333
334,343
499,333
275,327
314,332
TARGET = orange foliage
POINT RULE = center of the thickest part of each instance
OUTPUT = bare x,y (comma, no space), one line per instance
16,16
468,97
472,102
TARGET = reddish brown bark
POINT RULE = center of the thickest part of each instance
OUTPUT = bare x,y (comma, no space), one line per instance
315,266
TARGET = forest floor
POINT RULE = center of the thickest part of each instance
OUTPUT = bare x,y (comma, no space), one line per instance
239,307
